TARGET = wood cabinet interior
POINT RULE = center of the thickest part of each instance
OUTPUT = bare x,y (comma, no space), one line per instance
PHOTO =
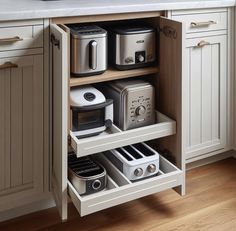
112,74
165,76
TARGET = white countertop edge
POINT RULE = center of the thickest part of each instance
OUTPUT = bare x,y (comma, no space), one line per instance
97,10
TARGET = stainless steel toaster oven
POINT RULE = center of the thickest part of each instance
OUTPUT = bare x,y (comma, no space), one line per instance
134,103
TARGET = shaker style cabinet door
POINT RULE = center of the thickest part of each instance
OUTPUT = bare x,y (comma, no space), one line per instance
21,133
206,99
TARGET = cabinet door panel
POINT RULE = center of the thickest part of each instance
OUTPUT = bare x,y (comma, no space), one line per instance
60,72
16,127
5,129
206,95
169,81
21,120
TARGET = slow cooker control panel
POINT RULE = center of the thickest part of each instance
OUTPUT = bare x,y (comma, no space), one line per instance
139,110
140,57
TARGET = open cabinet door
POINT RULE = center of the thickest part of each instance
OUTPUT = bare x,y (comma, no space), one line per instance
60,71
171,86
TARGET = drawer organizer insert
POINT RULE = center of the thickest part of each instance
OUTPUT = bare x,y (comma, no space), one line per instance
120,189
114,137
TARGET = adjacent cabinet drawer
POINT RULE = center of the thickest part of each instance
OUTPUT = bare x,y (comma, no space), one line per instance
21,37
204,22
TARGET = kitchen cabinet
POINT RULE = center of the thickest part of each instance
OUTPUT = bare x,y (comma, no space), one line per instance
166,133
206,95
207,98
23,115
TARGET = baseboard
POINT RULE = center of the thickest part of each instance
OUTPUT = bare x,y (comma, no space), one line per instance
43,203
209,154
211,159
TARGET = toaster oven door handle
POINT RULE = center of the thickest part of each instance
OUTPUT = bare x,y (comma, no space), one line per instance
92,107
93,54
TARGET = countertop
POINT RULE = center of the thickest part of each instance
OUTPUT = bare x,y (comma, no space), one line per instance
32,9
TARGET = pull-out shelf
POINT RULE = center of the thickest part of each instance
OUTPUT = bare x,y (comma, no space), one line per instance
114,137
120,189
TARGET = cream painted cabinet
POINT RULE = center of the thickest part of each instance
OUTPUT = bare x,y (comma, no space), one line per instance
206,95
166,132
22,130
24,117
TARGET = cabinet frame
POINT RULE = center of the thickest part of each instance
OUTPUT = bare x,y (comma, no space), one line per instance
169,80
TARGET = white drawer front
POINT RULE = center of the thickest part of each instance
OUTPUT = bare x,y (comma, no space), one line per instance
206,22
21,37
123,190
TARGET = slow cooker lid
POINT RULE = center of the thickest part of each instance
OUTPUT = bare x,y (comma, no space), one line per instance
133,29
86,96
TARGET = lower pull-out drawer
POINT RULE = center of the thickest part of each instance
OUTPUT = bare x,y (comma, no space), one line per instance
120,189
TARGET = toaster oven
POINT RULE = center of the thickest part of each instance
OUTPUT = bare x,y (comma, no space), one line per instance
134,103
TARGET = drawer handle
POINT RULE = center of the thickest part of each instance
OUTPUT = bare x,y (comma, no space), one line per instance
7,65
10,40
202,24
202,44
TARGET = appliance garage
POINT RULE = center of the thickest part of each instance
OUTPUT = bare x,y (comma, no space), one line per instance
118,102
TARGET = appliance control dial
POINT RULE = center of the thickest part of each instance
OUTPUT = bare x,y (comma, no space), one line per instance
140,110
140,58
138,172
96,184
89,96
151,168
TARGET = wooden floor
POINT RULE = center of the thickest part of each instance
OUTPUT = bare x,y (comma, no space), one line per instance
210,205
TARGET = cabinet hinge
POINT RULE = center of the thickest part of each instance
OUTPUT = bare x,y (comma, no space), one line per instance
168,32
55,41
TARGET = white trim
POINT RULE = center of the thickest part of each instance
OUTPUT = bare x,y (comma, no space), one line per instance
207,155
47,105
211,159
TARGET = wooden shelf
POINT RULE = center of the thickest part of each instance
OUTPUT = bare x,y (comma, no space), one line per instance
112,74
